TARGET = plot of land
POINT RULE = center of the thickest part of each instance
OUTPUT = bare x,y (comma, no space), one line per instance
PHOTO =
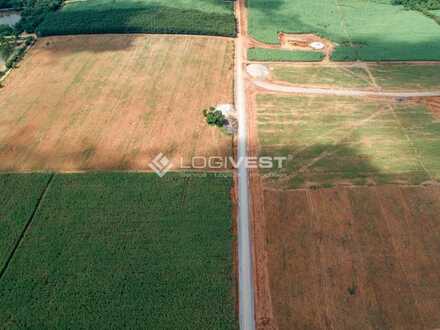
120,251
354,258
331,140
362,29
210,17
384,76
114,102
18,199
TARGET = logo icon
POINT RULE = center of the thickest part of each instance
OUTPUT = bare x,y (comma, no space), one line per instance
161,165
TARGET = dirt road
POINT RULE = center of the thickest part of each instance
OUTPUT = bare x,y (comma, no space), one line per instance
245,268
336,91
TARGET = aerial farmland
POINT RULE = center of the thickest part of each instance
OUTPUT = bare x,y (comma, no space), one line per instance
106,222
90,236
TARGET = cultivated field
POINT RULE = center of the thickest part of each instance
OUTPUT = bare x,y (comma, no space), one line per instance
118,251
268,55
207,17
114,102
334,140
413,77
361,255
361,29
19,197
354,258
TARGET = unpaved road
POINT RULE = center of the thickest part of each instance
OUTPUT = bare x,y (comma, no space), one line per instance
336,91
245,268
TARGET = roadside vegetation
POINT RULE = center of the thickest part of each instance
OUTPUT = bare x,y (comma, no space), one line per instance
179,17
12,47
118,251
275,55
361,30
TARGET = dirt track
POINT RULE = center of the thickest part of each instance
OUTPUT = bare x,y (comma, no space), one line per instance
265,85
114,102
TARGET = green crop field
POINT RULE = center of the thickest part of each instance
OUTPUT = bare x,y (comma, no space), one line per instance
385,76
206,17
274,55
331,140
18,199
116,250
362,29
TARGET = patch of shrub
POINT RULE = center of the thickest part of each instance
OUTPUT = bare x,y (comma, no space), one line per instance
418,4
10,4
34,12
214,117
155,19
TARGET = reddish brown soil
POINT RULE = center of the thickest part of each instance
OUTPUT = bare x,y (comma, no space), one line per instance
354,258
434,106
114,102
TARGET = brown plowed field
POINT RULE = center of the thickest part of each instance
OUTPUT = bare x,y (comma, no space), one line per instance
354,258
114,102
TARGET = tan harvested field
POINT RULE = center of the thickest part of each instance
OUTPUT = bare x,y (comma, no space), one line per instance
354,258
114,102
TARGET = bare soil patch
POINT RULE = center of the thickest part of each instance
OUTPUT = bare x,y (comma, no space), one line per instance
114,102
433,104
354,258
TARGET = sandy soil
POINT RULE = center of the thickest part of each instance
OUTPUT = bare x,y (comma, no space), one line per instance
114,102
354,258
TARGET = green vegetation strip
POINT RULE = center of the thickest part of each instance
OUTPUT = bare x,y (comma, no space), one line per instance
275,55
331,140
180,17
123,251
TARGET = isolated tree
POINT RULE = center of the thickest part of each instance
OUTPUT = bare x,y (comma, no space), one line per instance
214,117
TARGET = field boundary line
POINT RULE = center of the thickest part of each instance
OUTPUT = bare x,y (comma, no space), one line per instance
26,227
289,89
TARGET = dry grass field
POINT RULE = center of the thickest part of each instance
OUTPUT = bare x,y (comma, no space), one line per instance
114,102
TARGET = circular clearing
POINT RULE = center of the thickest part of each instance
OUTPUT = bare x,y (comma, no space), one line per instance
317,45
258,71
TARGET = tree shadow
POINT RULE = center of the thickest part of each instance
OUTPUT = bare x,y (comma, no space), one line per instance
328,165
